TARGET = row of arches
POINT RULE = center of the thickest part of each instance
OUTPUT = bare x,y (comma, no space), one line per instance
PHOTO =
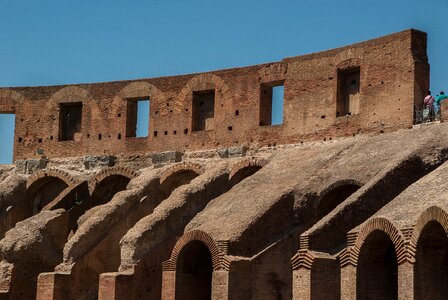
377,269
380,249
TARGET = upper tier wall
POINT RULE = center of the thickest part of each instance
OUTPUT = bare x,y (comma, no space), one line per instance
393,75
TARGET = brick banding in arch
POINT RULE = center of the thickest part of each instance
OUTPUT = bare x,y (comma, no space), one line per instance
204,82
431,214
245,163
107,172
273,73
219,259
141,89
303,259
73,94
350,255
181,167
52,172
9,100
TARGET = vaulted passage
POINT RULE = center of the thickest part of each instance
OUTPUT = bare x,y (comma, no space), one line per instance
194,272
334,197
43,191
377,269
175,180
244,173
431,267
107,188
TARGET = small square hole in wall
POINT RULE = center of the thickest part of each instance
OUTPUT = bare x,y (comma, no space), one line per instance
155,133
271,103
203,110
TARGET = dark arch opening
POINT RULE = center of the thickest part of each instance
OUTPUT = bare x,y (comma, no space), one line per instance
377,271
431,266
103,193
107,188
334,197
43,191
194,272
175,180
244,173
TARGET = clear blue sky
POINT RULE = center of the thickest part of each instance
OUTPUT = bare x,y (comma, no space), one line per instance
59,42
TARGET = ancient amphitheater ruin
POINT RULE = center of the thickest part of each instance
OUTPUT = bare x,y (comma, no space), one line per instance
342,200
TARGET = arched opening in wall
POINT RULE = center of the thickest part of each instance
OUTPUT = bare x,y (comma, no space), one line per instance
194,271
431,266
107,188
377,269
43,191
333,197
175,180
243,173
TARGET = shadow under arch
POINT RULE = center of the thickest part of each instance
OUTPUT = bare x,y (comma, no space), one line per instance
44,187
178,175
335,194
431,255
194,272
244,169
378,249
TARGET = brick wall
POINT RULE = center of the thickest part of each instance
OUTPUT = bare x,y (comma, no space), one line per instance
394,75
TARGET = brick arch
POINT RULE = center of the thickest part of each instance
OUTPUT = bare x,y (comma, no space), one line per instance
348,58
218,256
70,94
200,82
433,213
246,163
9,100
107,172
351,254
194,167
273,72
140,89
57,173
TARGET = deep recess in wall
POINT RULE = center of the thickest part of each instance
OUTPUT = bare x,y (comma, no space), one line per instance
348,92
203,110
70,121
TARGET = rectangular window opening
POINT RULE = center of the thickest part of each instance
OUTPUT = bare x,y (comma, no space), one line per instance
7,123
271,104
203,110
348,92
70,117
137,121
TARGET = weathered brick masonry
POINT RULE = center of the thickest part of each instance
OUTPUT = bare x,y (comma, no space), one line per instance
392,72
217,202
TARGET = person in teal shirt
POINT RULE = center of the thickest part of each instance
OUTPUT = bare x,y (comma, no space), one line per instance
441,97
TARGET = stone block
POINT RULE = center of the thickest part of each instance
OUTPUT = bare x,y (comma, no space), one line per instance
167,157
91,162
30,166
237,151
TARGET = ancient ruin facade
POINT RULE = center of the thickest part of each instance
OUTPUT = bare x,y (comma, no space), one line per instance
342,199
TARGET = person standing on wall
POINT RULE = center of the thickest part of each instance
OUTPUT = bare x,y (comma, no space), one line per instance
429,105
439,100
